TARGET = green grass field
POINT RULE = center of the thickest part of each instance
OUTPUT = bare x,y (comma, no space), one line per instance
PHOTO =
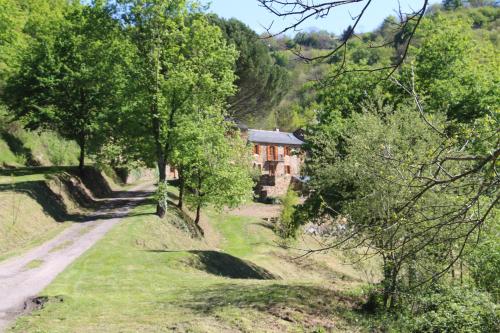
148,276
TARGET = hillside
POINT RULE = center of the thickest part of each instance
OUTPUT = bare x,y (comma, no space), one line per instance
148,275
370,50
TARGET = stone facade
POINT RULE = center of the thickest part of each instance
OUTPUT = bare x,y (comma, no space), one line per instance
278,162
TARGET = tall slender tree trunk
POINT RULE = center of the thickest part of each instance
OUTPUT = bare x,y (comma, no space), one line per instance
385,281
162,171
81,159
391,272
199,193
198,214
181,189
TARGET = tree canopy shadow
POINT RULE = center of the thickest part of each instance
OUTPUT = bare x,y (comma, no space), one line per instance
225,265
18,148
36,170
92,179
53,203
265,225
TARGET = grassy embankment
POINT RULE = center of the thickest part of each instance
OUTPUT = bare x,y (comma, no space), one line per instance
39,195
37,203
147,275
29,214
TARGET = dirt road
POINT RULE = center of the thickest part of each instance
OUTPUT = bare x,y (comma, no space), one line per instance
27,275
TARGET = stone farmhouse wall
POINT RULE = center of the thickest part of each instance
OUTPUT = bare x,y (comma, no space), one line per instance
278,164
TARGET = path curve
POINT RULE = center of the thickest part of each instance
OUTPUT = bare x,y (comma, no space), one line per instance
18,282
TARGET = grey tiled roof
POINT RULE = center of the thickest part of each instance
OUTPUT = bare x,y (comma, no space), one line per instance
273,137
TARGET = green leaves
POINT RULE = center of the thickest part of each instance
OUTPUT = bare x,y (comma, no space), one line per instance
456,72
261,82
72,81
215,165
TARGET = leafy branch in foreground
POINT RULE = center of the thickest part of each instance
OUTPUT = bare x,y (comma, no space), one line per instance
302,11
409,196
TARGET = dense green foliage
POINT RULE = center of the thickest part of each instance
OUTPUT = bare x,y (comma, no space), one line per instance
452,309
409,163
122,79
484,262
213,166
286,227
261,79
68,83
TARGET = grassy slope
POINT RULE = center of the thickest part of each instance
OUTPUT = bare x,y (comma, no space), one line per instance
7,157
148,276
19,146
35,205
23,222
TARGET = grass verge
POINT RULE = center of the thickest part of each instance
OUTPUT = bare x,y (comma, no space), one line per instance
146,275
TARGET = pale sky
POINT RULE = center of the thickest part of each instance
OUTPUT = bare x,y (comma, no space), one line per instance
258,18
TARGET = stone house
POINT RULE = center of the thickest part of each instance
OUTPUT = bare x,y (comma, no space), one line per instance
278,157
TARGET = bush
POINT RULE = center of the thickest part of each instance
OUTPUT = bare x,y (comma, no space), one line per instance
452,309
37,147
287,226
484,262
49,148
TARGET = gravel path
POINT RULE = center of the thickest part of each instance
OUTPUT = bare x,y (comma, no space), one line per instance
27,275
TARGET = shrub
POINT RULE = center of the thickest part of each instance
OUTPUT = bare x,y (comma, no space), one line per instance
452,309
48,148
484,263
287,226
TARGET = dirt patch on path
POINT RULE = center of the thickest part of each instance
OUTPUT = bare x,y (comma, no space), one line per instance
257,210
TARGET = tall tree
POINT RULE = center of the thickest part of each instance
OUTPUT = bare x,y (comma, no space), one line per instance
22,23
181,58
452,4
456,72
214,159
70,83
261,82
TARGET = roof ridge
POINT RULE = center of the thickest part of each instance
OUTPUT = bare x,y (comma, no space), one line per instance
261,130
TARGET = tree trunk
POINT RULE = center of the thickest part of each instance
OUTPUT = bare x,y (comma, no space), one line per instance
199,194
385,281
394,287
81,160
162,170
391,272
181,189
198,214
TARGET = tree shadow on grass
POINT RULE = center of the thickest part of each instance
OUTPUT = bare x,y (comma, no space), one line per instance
18,148
305,305
92,179
225,265
266,225
36,170
53,203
